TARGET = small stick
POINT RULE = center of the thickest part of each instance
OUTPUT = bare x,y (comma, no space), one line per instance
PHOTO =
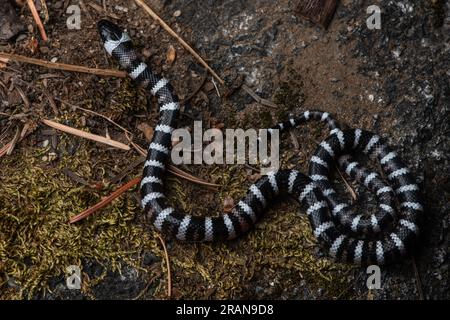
25,132
51,101
13,142
94,113
62,66
182,174
86,135
258,99
180,40
105,201
37,19
417,276
5,149
215,86
127,170
174,170
349,188
169,274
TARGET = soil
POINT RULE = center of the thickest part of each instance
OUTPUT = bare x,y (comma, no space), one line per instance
394,81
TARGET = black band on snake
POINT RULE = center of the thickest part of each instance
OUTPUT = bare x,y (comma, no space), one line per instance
380,238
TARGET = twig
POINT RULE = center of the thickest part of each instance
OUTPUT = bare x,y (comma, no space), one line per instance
215,86
294,140
169,274
85,135
45,9
417,276
25,132
166,27
85,9
101,10
13,142
146,287
94,113
62,66
105,201
258,99
174,170
37,19
51,101
123,173
349,188
72,175
182,174
5,149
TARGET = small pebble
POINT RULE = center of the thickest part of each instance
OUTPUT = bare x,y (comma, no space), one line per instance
120,8
177,13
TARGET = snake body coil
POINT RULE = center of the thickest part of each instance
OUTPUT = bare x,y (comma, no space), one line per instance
380,238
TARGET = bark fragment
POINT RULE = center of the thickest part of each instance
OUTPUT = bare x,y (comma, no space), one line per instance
317,11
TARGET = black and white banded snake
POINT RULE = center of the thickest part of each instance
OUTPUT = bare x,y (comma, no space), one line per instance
379,238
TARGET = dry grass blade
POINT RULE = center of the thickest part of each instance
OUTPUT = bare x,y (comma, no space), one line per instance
179,39
85,135
169,274
6,57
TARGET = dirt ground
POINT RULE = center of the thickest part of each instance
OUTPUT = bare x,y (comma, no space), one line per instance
395,81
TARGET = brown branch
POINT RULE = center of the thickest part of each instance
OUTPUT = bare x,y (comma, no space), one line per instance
37,19
166,27
105,201
6,57
86,135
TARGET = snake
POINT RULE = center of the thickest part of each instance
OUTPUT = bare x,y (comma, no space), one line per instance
381,238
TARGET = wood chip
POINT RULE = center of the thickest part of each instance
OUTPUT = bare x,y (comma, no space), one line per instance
320,12
171,55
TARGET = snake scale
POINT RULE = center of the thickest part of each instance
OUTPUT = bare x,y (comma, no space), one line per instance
380,238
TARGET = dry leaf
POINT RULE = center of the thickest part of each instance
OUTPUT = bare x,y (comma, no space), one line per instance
147,130
171,55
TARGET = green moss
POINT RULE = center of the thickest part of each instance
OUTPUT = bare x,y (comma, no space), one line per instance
37,242
289,96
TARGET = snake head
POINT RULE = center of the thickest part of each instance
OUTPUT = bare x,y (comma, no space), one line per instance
109,31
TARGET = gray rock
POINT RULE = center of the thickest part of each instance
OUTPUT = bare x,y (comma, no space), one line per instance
10,26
